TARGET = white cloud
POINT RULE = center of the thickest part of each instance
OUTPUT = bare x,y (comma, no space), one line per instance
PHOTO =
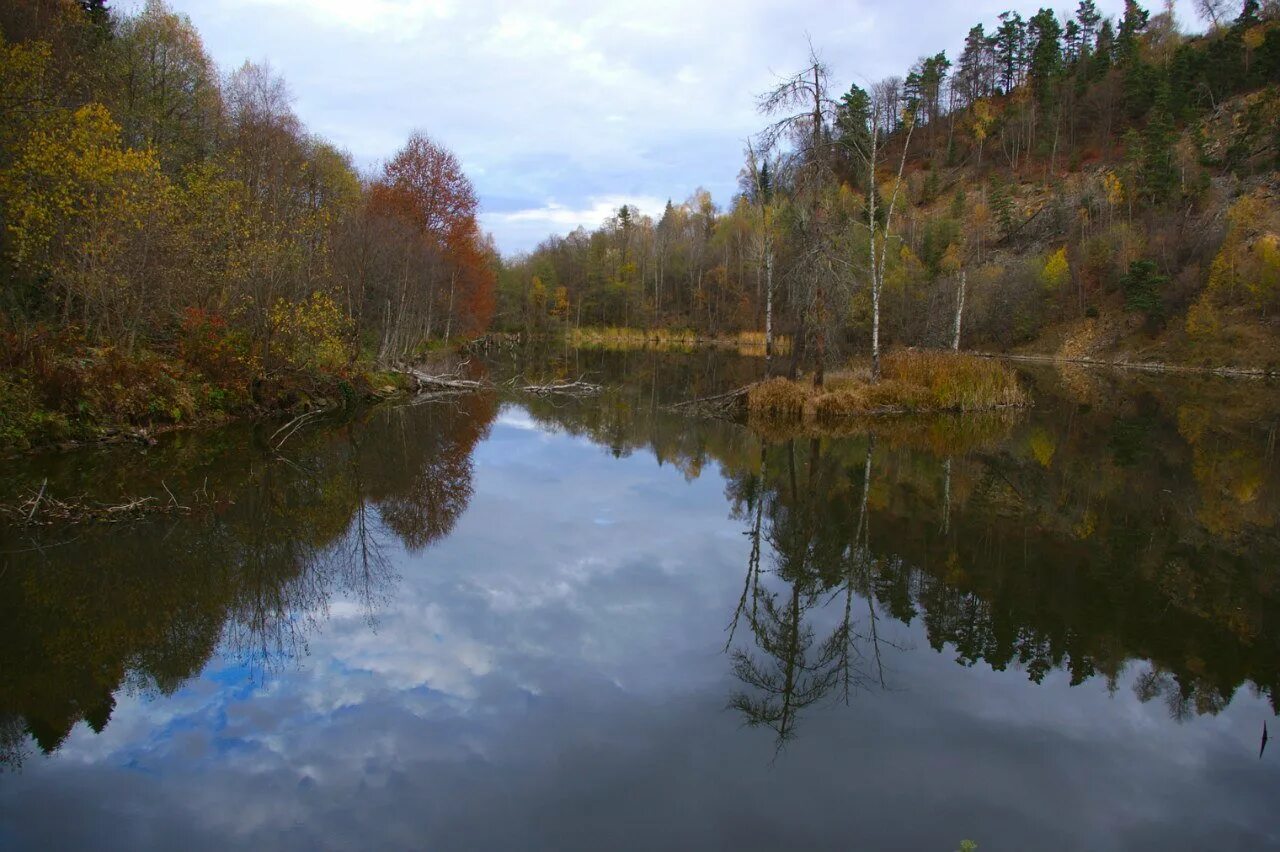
524,228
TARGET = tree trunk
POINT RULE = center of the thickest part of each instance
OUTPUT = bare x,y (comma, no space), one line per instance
955,340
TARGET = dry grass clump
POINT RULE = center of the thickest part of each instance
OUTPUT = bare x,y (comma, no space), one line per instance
949,381
912,382
752,343
778,398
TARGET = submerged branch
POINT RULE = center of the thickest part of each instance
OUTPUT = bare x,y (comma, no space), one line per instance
429,383
42,509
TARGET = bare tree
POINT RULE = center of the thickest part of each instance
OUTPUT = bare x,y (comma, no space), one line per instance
1216,12
808,112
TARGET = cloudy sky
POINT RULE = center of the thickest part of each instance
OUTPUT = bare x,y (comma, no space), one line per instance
562,110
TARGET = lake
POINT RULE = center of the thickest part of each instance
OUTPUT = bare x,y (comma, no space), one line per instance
502,622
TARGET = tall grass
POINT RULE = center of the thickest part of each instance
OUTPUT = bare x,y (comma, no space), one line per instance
778,398
955,382
613,337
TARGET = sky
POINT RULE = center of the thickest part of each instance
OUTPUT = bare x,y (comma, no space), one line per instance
563,110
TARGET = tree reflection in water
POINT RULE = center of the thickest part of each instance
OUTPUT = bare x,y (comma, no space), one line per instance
820,557
1123,524
147,610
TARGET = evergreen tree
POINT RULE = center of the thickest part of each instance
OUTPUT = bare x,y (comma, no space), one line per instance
99,15
1132,24
1248,15
1010,47
1045,35
1142,286
1088,18
970,75
853,121
1156,169
1104,49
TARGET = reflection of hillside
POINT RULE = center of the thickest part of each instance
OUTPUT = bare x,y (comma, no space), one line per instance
80,618
1138,525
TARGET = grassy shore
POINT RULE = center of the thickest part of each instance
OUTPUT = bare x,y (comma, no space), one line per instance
912,381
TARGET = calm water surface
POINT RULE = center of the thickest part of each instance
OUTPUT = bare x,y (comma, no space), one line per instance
497,623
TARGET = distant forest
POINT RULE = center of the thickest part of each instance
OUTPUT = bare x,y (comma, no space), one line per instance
1065,167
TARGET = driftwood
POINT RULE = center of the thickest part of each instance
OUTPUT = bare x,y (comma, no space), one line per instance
454,383
297,423
731,404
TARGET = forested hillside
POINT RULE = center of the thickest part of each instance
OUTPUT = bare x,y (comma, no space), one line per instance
1077,185
177,245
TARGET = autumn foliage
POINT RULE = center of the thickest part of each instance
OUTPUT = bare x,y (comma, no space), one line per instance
425,187
163,224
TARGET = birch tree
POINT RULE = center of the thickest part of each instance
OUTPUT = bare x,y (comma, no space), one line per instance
872,150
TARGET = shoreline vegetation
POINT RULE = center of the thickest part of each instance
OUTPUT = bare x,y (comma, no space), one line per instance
103,396
177,248
912,382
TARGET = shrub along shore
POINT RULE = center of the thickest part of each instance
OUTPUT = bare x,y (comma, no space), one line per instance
57,389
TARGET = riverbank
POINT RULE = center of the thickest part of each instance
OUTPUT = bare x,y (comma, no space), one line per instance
60,394
1141,366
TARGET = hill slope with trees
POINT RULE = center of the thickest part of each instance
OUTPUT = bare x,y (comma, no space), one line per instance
1070,184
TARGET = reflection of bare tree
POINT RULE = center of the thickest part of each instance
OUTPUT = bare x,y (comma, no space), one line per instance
361,563
751,586
789,668
13,742
790,678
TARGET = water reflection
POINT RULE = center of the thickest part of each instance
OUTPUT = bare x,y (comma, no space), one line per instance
785,672
144,607
1122,533
1136,523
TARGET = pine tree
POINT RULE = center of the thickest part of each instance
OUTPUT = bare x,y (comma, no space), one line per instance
1157,170
1132,24
1248,15
1046,53
1088,18
1010,48
970,74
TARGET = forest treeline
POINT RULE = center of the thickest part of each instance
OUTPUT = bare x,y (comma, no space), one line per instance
175,242
1069,179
